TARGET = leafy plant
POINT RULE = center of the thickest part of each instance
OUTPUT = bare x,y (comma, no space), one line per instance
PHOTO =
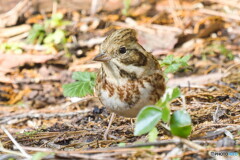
30,133
217,48
161,110
36,34
173,64
51,33
126,4
11,47
40,155
83,86
153,134
149,116
181,124
147,119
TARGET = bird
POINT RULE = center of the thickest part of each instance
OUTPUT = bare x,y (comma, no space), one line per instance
129,78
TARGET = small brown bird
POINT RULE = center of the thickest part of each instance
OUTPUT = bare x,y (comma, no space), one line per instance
130,77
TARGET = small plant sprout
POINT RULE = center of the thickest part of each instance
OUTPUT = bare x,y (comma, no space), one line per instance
173,64
51,32
12,47
83,86
126,4
149,116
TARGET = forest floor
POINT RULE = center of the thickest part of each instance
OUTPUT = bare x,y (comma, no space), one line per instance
47,124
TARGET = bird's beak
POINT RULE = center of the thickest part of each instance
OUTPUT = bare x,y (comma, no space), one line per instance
102,57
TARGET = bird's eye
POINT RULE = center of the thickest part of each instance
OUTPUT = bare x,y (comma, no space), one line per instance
122,50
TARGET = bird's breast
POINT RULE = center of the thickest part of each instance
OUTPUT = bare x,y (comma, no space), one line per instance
127,97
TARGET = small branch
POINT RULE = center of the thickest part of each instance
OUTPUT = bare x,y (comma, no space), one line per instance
183,102
55,7
2,149
94,7
6,120
192,144
216,13
159,143
15,143
234,4
178,22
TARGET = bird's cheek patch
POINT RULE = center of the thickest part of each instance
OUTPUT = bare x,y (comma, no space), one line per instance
135,58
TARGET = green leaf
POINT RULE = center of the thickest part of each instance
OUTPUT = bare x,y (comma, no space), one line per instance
169,95
36,32
175,93
152,135
168,60
49,39
84,86
181,124
84,76
173,64
121,144
38,27
40,38
39,155
58,36
11,47
126,4
172,68
78,89
166,114
185,58
57,16
147,119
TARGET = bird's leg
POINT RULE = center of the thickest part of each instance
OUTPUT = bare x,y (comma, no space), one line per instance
109,125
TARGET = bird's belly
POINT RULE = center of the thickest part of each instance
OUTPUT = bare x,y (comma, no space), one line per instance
127,101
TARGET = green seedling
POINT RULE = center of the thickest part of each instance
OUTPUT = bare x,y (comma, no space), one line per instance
51,32
11,48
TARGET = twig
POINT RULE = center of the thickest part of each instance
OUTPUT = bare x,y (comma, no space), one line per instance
18,37
183,102
6,120
51,144
52,140
14,31
38,80
11,17
16,143
94,7
178,22
216,13
232,66
55,7
237,125
91,42
215,114
2,149
105,150
192,144
234,4
158,143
